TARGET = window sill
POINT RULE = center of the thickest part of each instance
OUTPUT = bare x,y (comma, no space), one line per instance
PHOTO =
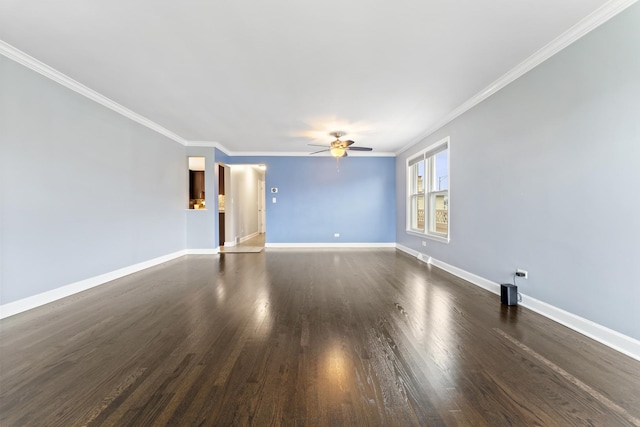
441,239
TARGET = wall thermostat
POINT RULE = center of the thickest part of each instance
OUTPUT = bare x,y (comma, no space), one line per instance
274,190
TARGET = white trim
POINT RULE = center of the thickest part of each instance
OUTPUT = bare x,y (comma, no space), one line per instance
307,154
43,298
249,236
430,236
613,339
617,341
583,27
213,251
28,61
438,237
589,23
330,245
431,147
210,144
410,251
230,153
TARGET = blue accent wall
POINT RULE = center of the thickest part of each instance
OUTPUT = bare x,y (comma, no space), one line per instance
220,156
316,200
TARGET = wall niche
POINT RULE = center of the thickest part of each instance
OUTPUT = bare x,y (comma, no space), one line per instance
197,198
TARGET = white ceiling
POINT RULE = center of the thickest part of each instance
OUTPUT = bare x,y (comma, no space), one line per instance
274,76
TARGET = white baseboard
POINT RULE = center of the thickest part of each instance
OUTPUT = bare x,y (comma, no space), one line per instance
613,339
250,236
330,245
617,341
213,251
43,298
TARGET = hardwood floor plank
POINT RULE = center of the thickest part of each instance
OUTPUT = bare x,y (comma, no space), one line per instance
304,337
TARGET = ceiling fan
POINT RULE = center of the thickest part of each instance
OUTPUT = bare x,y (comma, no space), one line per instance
339,148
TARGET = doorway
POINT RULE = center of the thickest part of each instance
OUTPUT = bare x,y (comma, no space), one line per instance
242,208
221,205
262,213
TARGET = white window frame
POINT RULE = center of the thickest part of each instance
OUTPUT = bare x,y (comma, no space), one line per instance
427,155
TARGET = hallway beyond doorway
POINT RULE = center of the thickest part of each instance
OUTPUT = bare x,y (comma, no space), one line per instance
252,245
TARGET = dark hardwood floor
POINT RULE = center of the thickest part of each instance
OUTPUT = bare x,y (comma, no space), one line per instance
305,337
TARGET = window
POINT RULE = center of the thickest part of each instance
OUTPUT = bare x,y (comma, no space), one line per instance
428,192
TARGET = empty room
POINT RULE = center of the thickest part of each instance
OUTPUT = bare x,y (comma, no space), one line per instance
313,213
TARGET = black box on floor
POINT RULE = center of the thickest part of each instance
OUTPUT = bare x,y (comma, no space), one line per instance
509,294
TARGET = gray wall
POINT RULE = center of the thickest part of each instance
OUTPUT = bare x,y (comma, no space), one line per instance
545,176
84,190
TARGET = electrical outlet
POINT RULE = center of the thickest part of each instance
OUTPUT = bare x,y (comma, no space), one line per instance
336,234
522,273
424,243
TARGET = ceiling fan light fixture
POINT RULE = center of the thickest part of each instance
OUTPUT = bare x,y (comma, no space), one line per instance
337,151
339,148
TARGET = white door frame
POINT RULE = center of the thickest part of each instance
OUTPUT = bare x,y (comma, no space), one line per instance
262,214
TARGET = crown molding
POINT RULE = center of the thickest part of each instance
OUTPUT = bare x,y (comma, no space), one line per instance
210,144
583,27
39,67
586,25
30,62
306,154
225,150
268,153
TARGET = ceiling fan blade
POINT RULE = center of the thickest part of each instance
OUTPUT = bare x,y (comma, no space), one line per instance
319,145
345,154
360,148
348,142
321,151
